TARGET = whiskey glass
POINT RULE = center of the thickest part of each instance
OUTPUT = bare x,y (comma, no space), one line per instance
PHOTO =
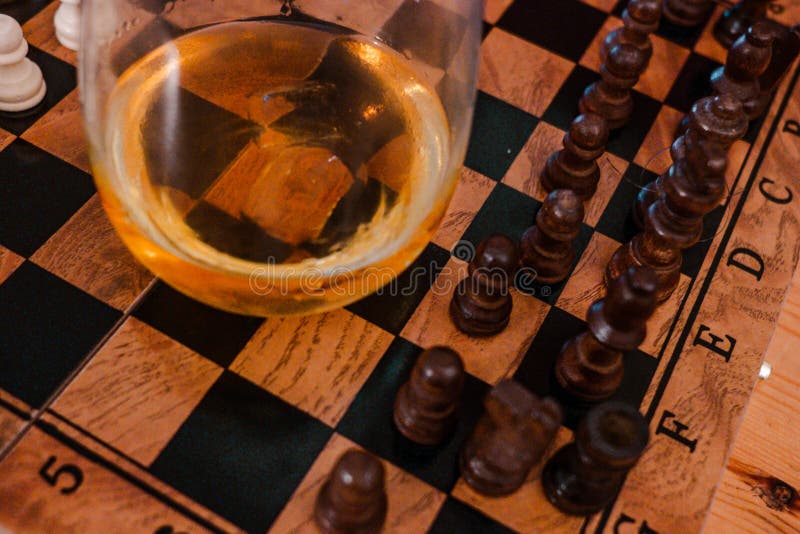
277,157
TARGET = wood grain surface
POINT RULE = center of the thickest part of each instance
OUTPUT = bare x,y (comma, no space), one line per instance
759,490
412,505
87,252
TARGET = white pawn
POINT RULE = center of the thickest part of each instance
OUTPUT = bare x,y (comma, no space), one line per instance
68,23
21,83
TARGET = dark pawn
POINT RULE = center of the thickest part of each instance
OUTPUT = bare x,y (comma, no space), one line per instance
641,18
481,304
719,119
511,436
353,499
583,476
590,366
575,166
610,97
735,20
747,60
688,13
426,407
785,49
693,186
547,247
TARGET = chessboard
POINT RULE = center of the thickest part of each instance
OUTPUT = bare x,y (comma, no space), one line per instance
126,406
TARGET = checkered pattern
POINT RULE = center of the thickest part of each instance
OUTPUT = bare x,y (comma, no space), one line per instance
201,417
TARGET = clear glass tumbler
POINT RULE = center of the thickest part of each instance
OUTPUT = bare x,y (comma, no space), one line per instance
276,157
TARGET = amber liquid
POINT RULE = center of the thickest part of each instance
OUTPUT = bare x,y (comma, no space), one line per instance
274,148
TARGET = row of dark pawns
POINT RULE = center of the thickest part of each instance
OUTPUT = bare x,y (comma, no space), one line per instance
517,428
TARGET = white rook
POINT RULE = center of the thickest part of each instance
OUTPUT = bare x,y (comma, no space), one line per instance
21,83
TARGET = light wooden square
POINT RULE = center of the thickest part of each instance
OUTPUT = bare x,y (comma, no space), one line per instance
471,192
9,262
494,9
60,132
707,45
653,154
665,65
586,285
603,5
6,138
87,252
525,172
489,358
520,72
139,379
317,362
40,32
527,510
413,505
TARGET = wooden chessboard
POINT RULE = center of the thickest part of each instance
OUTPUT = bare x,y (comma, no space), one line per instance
125,406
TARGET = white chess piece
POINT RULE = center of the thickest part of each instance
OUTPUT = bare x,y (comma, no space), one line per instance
21,83
68,23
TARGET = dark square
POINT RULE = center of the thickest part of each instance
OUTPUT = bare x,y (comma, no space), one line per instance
192,157
536,370
625,141
693,256
60,79
499,131
369,422
564,107
682,35
455,517
549,292
417,27
47,326
565,27
505,211
692,83
485,29
391,306
23,10
38,193
216,334
146,39
242,452
616,221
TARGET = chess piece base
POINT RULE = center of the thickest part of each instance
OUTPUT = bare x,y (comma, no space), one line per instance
415,427
668,275
586,381
677,12
329,522
474,320
564,494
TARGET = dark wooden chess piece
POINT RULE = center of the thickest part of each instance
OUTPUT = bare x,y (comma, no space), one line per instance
426,407
481,304
747,59
693,186
583,476
547,246
719,119
735,20
590,366
785,49
353,499
688,13
511,436
575,166
640,19
610,97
